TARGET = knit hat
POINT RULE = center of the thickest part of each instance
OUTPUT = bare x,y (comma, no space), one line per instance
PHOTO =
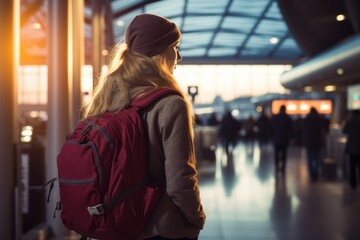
150,34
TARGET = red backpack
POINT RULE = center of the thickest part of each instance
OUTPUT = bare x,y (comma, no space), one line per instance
102,173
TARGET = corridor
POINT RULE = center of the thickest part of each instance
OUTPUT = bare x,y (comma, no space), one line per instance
244,200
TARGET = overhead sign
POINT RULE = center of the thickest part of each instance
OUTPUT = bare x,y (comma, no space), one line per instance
301,107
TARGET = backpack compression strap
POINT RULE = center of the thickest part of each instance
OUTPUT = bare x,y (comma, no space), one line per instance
101,208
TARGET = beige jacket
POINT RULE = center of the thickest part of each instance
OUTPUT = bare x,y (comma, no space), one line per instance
179,213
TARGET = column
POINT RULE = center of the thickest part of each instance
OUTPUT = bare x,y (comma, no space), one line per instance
339,109
76,59
58,100
9,63
97,39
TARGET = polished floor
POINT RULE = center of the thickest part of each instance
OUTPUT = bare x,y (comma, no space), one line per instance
245,200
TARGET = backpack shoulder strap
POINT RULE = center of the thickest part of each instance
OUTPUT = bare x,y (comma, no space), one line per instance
151,95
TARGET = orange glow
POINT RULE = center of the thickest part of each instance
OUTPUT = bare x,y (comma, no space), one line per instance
302,106
36,25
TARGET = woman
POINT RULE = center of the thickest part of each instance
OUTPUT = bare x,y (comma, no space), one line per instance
147,59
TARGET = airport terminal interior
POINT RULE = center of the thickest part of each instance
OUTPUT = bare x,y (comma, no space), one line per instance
246,199
240,58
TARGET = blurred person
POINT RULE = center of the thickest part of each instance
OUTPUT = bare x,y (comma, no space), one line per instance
314,129
281,131
228,132
146,60
263,126
198,120
249,128
213,121
352,130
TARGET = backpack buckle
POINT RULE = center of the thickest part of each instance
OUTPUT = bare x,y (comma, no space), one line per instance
96,210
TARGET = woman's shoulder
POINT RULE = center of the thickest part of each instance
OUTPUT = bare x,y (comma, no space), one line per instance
172,102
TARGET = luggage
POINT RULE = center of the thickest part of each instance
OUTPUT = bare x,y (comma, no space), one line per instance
102,173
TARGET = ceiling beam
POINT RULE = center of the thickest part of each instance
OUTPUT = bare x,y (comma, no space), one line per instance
261,17
218,27
183,16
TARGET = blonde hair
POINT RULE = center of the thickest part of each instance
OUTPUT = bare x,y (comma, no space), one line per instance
126,71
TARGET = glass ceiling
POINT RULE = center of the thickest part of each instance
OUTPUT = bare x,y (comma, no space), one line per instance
222,31
213,31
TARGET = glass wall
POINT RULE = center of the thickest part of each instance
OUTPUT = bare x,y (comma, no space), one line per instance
230,81
32,86
227,81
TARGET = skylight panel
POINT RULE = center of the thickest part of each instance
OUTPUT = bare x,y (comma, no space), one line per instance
200,23
240,23
167,8
271,27
248,7
120,5
206,6
195,39
202,18
229,39
274,11
221,52
195,52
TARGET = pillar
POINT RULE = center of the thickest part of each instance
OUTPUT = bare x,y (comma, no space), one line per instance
9,62
339,109
76,59
97,39
58,100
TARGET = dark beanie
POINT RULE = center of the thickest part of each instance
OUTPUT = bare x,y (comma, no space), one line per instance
150,34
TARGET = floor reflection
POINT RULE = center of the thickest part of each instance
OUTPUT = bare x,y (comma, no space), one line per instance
244,199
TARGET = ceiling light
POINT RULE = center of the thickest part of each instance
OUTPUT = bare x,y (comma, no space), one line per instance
274,40
340,17
340,71
308,89
120,23
330,88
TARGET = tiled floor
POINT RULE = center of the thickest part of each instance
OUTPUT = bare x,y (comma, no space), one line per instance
244,200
